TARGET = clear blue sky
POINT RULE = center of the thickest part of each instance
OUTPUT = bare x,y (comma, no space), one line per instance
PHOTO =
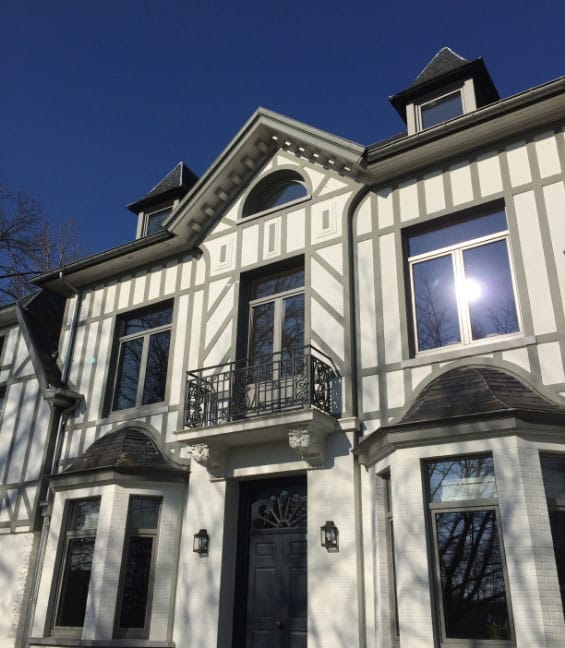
100,99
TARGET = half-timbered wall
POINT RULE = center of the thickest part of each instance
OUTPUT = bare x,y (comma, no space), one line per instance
527,175
206,298
24,423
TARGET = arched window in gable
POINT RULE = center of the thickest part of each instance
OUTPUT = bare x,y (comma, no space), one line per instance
276,190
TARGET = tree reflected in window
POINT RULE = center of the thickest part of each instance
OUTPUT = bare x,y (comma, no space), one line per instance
462,286
467,548
143,357
141,536
472,581
77,562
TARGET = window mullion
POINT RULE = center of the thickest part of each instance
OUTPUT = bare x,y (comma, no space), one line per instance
278,324
461,296
143,368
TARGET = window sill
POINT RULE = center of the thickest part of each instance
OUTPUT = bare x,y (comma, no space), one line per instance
479,348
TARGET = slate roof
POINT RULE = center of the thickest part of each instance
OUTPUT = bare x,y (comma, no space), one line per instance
446,68
446,60
175,184
472,391
43,314
129,450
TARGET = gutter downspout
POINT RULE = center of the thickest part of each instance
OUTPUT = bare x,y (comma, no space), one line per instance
357,499
46,506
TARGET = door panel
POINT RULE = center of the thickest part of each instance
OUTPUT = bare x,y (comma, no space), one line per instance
277,569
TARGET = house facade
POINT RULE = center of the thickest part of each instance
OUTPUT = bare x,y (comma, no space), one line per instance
318,401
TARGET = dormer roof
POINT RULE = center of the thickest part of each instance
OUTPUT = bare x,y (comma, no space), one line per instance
446,68
176,184
445,61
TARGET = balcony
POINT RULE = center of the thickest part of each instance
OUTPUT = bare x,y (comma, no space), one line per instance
299,379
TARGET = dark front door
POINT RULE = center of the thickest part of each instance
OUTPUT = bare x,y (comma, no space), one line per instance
276,566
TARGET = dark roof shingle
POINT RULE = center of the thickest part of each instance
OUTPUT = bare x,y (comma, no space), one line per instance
477,390
129,449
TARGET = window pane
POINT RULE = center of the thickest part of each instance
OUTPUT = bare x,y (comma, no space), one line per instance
76,578
286,193
461,479
128,374
143,512
279,284
441,110
136,582
85,514
155,221
447,234
489,291
147,320
261,344
553,468
472,581
293,323
437,320
156,371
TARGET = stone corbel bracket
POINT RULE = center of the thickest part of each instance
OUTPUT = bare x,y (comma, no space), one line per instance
309,445
213,459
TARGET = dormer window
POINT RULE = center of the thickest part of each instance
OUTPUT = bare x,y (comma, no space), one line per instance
448,87
154,220
441,109
278,189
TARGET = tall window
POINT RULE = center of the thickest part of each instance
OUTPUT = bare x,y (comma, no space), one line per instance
461,281
132,614
467,549
276,315
80,536
553,468
143,356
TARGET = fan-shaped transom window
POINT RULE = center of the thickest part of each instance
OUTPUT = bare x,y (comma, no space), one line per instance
276,190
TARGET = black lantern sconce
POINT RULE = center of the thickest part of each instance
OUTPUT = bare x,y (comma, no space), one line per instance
201,542
330,536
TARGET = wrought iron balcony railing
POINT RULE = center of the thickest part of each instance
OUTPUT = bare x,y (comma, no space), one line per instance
292,380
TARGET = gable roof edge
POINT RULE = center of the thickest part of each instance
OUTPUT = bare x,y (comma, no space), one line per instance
263,133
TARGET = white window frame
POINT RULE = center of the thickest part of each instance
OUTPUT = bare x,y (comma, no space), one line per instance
146,337
456,252
138,532
467,506
431,100
152,214
67,535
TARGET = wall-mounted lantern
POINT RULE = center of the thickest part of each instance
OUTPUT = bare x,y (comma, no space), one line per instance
201,542
330,536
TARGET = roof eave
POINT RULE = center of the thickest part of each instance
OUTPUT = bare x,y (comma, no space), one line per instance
108,263
540,105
